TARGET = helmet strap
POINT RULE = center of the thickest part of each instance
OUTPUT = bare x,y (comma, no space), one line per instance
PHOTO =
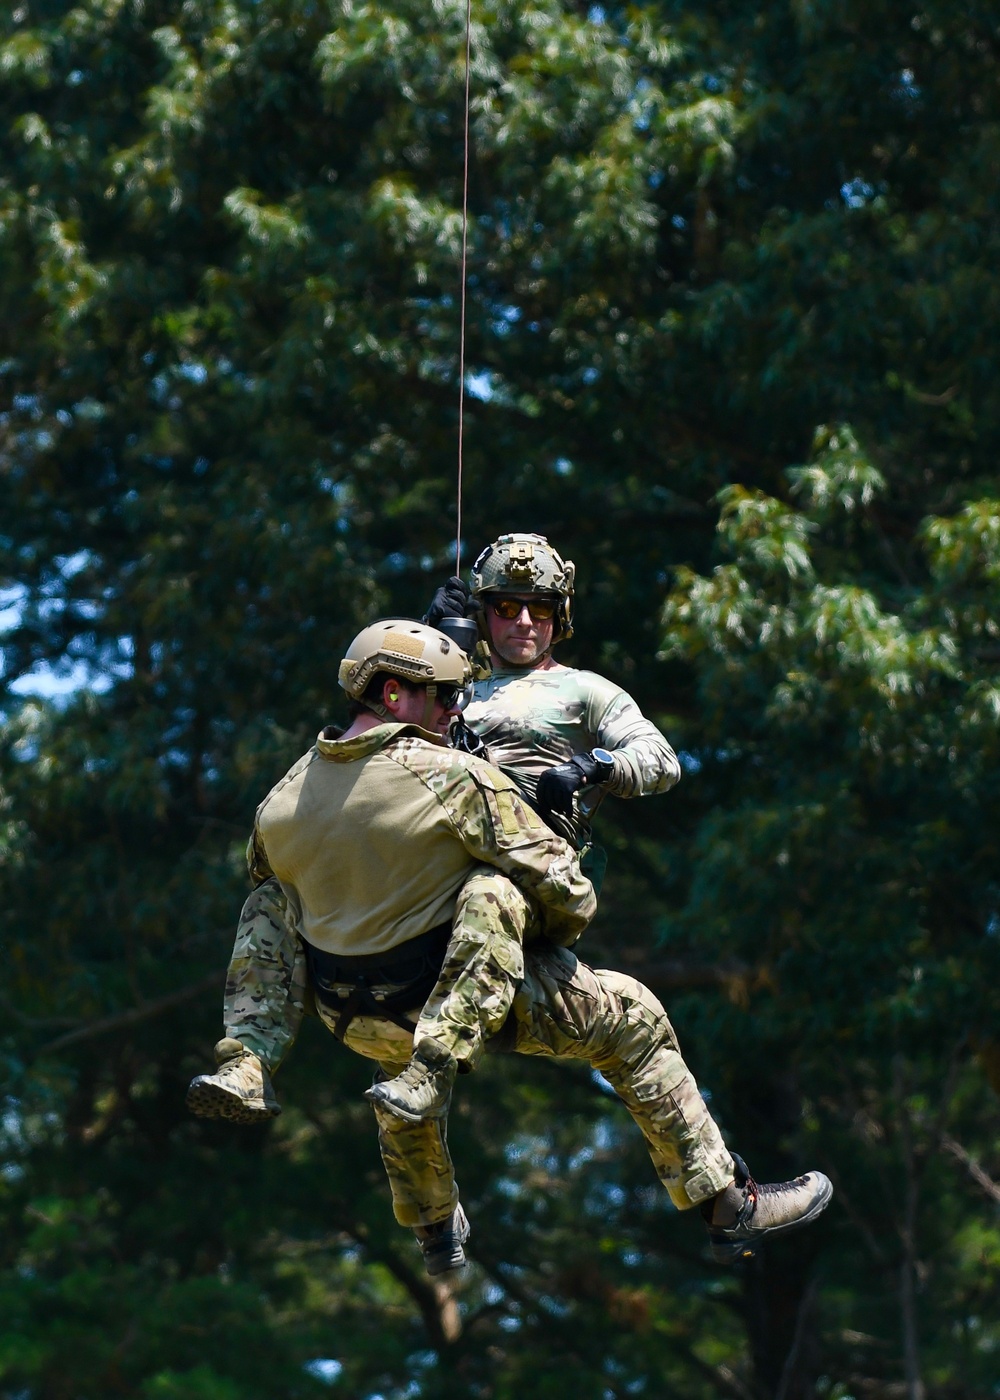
379,709
432,691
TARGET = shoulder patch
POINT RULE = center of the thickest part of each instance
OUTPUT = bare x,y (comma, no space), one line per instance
485,775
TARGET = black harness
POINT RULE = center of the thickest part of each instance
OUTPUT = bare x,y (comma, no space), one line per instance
378,984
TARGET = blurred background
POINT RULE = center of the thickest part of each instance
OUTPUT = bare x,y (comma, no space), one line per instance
732,343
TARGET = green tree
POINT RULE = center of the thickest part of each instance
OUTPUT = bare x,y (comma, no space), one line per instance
229,241
846,855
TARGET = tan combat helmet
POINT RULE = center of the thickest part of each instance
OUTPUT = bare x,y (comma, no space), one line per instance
409,650
527,564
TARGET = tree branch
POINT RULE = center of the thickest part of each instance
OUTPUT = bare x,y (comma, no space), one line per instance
792,1359
434,1297
972,1167
856,1218
37,1023
722,1377
143,1012
915,1388
677,973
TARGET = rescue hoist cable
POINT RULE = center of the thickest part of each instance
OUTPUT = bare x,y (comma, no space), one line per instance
465,246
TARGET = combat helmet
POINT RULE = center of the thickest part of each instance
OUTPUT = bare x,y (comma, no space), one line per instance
527,564
411,651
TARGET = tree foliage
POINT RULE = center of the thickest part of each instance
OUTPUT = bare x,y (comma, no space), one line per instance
229,238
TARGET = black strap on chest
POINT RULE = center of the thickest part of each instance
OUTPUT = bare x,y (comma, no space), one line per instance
378,984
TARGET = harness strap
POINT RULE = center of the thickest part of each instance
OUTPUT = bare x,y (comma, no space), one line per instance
360,1002
378,984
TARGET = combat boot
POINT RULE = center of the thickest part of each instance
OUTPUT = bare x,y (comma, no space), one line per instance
739,1217
423,1090
240,1091
441,1244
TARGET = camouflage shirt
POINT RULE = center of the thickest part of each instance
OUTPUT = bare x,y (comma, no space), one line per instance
373,837
532,719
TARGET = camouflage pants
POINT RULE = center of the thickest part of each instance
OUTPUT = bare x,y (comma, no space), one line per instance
561,1007
267,988
566,1009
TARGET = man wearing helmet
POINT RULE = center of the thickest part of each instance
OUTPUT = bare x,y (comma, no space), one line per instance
564,736
567,737
393,851
412,873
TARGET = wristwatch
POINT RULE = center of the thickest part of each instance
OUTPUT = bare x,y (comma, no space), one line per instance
605,765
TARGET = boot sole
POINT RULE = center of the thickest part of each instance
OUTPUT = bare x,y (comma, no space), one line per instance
454,1261
407,1114
212,1101
731,1251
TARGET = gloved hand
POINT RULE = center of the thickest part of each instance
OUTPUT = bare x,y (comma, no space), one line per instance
452,599
557,785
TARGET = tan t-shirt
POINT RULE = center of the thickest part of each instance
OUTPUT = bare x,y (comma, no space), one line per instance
372,838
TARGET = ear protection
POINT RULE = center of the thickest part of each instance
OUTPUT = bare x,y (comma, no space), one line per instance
393,696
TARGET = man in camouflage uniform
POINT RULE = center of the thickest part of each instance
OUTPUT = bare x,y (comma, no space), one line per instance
272,977
379,841
536,717
567,737
387,851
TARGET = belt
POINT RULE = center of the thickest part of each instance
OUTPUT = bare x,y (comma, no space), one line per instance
378,984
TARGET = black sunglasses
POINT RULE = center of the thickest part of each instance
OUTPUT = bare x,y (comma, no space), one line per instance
452,696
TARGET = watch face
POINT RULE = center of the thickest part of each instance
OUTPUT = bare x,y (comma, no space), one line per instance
602,756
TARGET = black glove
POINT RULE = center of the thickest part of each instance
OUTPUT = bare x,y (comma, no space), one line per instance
452,599
557,785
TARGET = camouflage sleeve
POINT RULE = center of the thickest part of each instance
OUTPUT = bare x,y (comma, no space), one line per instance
494,824
644,761
257,862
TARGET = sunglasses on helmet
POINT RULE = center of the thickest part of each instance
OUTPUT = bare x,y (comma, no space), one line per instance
539,609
